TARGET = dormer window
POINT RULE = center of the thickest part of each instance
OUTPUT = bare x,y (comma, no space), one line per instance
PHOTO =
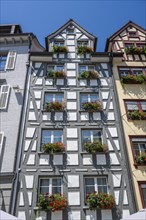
82,43
58,43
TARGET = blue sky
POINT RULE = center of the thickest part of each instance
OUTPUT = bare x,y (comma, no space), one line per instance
101,18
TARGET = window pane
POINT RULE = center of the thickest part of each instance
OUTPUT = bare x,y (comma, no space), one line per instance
50,68
90,67
82,69
89,185
102,185
139,148
143,106
143,189
44,186
93,97
59,68
96,135
86,136
56,186
48,97
132,105
57,136
58,97
46,136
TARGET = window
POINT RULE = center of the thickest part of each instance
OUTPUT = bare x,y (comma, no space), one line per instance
142,188
59,43
52,136
135,105
70,30
53,97
1,140
50,185
7,60
88,98
90,136
82,43
132,34
142,46
132,71
139,145
96,184
4,95
56,68
3,60
129,45
86,68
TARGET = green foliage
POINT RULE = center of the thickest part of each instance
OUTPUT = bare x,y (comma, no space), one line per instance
100,200
136,115
92,106
54,106
53,202
132,79
135,50
141,159
89,74
54,147
56,74
60,49
94,147
83,50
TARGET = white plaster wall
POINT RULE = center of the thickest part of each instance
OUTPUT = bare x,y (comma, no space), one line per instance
10,118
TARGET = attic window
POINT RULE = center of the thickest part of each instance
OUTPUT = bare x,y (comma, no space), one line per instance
59,43
132,34
82,43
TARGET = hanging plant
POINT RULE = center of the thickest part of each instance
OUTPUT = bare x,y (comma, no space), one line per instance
141,159
58,49
137,115
83,50
56,74
94,147
54,106
92,74
92,106
53,147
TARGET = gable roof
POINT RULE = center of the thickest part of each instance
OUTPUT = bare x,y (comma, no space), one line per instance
69,22
128,24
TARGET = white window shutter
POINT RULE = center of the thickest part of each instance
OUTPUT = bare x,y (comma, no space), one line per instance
10,64
4,95
1,140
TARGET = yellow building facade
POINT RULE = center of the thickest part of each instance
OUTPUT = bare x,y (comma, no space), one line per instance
129,74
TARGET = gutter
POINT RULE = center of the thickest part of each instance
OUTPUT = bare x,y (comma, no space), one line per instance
131,187
18,154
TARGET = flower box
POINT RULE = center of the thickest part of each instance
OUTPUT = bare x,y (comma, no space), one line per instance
83,50
100,200
54,202
92,106
131,79
89,74
53,147
135,50
54,106
60,49
141,159
94,147
56,74
136,115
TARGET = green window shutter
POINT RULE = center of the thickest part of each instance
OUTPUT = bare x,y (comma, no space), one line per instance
11,60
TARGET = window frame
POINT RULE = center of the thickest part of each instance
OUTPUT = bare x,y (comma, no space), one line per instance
86,68
138,105
56,42
91,136
81,41
55,67
134,44
1,141
52,137
3,54
89,97
50,183
132,146
54,96
7,95
141,193
131,70
95,183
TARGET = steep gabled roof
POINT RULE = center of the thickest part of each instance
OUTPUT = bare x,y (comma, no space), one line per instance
71,22
130,23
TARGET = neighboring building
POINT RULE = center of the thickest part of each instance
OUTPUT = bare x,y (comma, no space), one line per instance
74,172
130,78
14,54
